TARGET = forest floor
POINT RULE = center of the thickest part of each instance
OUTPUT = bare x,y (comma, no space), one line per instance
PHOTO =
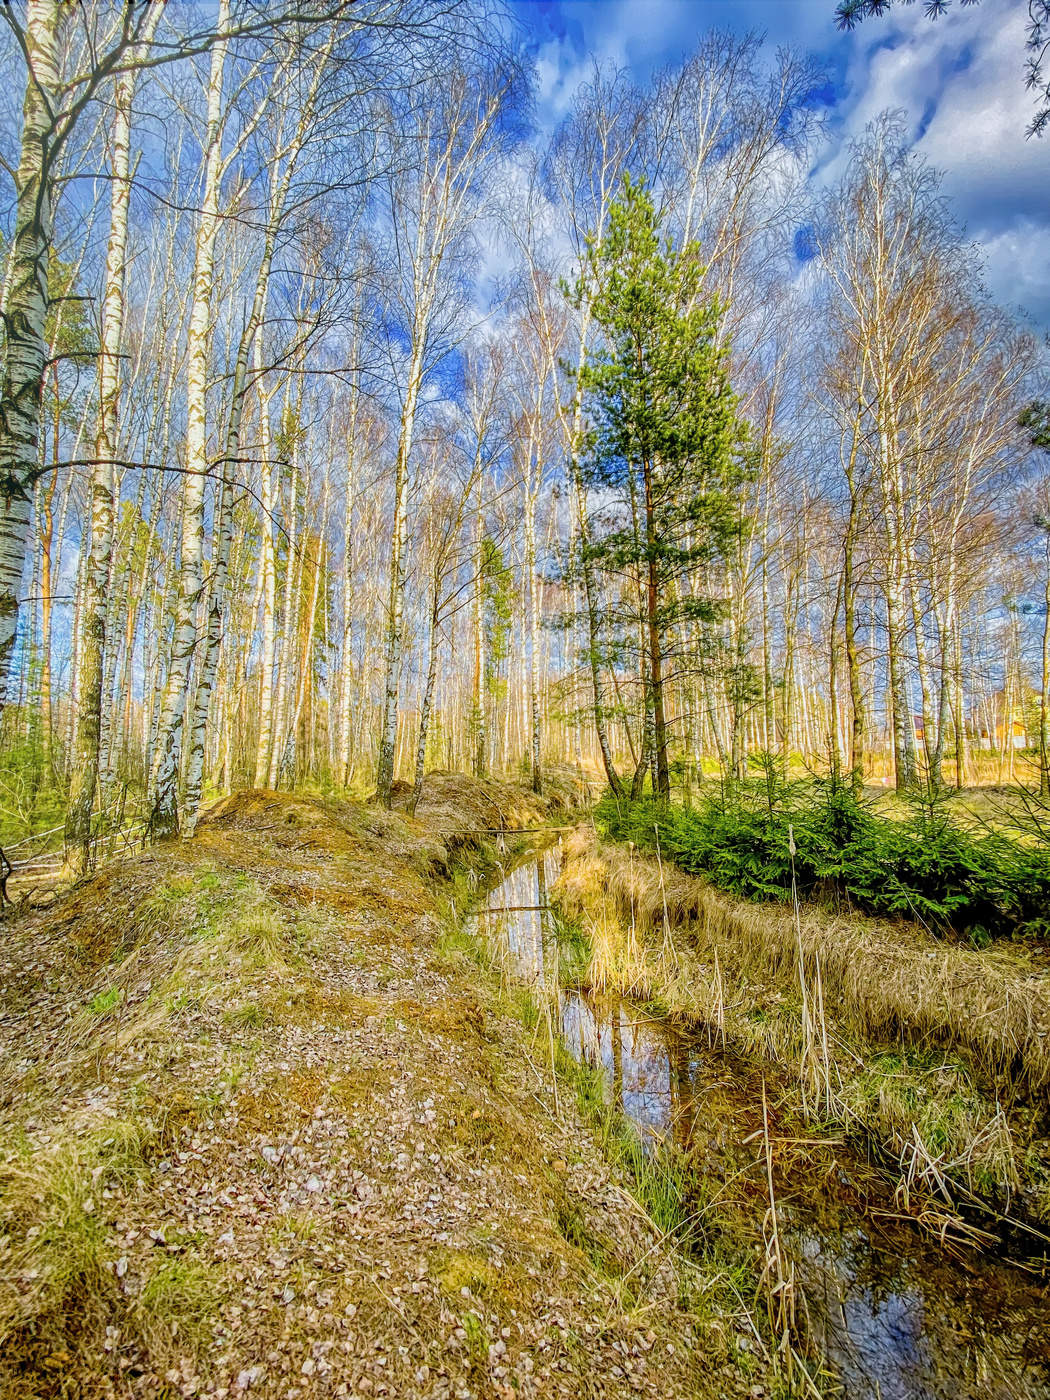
268,1129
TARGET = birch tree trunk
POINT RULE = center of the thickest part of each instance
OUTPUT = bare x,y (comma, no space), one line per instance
396,597
164,815
269,588
87,742
428,689
1044,682
287,635
849,625
25,315
224,512
479,686
346,689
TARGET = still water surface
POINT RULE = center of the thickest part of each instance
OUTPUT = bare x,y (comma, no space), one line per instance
897,1318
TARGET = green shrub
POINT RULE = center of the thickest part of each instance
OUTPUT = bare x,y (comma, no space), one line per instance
923,867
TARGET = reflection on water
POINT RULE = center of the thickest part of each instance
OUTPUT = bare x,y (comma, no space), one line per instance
896,1317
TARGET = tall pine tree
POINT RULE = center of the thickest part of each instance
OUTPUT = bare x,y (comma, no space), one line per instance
663,449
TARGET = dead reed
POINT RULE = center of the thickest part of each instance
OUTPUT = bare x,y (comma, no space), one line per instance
882,982
938,1053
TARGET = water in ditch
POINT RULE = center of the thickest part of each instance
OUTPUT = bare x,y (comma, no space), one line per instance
896,1316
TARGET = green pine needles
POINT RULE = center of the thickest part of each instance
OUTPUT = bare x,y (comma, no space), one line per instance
922,866
664,447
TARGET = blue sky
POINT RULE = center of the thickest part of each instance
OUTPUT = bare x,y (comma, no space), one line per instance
958,80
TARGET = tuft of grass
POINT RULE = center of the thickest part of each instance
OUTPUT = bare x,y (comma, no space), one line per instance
180,1299
260,934
248,1013
104,1001
57,1286
478,1337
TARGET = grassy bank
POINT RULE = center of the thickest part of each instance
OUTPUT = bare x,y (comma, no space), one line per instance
267,1128
710,1236
934,1051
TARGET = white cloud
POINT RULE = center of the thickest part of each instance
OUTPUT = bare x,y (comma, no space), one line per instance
558,74
959,83
1018,269
977,134
958,80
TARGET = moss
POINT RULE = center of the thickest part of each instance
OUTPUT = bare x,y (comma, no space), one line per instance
458,1269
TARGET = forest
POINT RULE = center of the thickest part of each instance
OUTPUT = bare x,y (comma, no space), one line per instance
395,464
316,427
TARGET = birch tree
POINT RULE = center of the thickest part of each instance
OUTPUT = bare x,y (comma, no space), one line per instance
87,743
452,132
164,786
98,44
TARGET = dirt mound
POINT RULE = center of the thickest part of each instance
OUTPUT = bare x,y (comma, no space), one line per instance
456,804
267,1128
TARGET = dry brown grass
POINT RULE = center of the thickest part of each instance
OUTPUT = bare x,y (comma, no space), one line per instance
881,981
926,1046
461,807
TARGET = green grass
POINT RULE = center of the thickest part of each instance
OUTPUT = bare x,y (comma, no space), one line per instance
574,949
104,1001
181,1296
478,1338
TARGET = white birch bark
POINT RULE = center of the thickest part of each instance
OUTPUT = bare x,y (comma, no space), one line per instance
346,688
286,639
87,743
216,605
164,816
480,687
25,314
396,596
269,589
452,143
